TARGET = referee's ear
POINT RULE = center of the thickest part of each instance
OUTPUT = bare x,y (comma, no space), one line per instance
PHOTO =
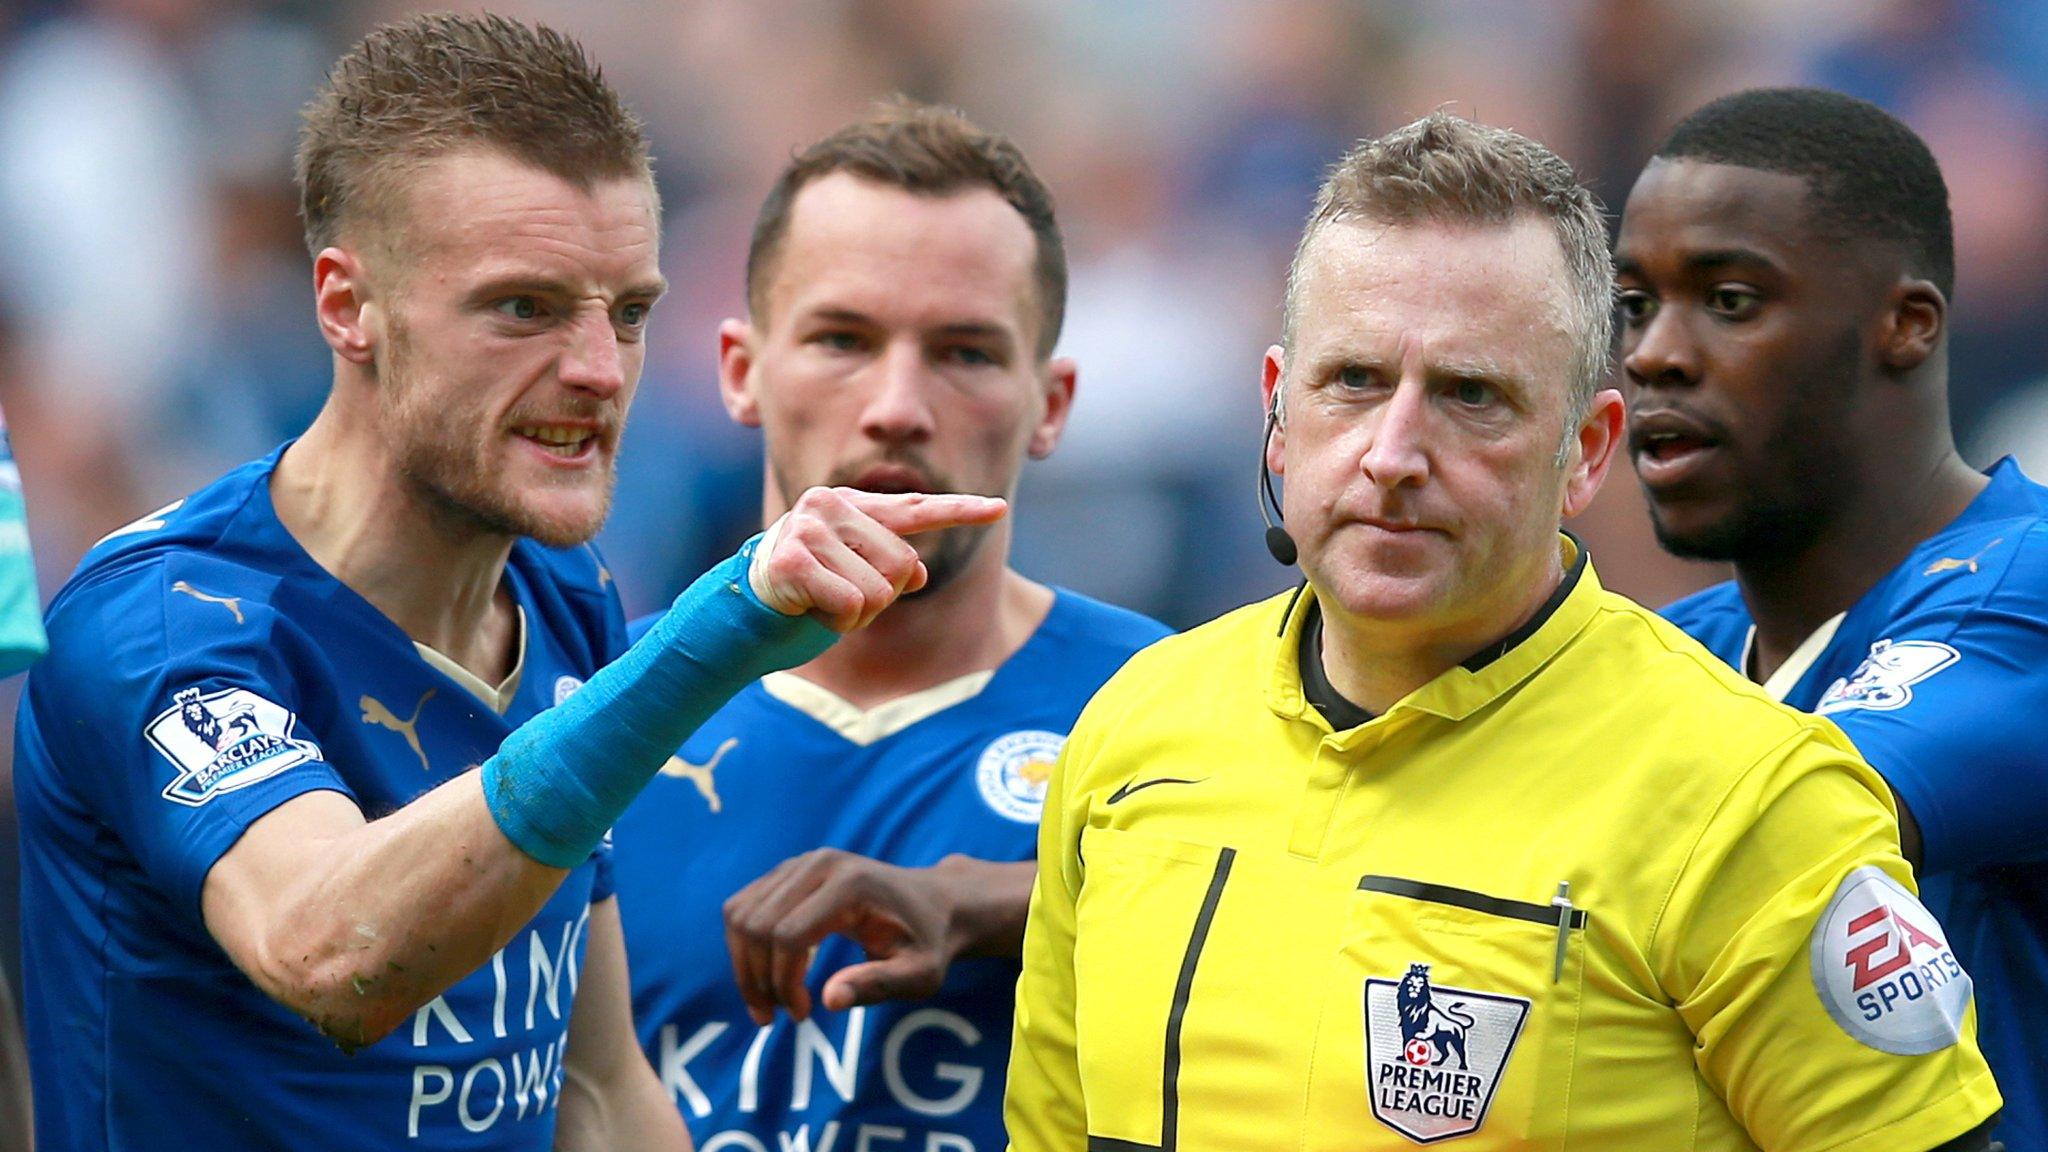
1272,377
1591,451
342,306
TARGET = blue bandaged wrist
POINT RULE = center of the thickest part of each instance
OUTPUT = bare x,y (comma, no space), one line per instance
564,777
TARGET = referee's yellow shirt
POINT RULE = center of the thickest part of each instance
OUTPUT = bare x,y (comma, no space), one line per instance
1250,932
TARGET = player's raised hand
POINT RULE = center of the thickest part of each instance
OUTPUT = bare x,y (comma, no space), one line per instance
839,553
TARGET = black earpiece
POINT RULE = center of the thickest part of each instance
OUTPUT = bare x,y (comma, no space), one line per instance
1278,542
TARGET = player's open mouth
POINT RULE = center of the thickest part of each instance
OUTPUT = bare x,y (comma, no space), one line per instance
1668,446
562,441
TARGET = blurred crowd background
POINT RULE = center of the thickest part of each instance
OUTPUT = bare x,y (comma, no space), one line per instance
155,312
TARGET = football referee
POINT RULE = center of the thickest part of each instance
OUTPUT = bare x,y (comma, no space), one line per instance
1452,843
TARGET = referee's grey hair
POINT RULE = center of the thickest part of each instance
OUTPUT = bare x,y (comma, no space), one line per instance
1446,169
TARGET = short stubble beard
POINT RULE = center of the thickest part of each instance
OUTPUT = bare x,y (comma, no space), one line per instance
446,463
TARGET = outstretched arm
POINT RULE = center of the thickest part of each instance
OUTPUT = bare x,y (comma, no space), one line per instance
354,924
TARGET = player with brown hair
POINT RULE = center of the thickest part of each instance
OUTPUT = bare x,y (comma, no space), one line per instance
274,900
906,287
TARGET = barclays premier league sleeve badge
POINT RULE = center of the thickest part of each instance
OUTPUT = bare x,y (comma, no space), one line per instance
1884,681
223,741
1434,1054
1883,968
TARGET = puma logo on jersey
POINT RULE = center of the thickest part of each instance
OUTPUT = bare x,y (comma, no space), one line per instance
1951,563
700,774
374,712
231,603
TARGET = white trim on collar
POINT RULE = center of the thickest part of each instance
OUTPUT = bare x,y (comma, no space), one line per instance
864,726
497,699
1788,675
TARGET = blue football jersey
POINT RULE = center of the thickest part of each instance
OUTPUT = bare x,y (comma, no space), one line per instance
785,768
1933,674
203,670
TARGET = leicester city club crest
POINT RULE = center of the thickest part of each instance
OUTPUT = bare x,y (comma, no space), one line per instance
223,741
1013,772
1434,1055
565,687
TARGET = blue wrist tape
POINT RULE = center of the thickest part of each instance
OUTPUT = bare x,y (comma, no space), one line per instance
564,777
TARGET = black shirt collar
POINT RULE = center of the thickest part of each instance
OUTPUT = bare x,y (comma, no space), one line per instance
1494,651
1315,683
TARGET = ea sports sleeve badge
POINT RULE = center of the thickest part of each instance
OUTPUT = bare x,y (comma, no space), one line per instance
1884,969
21,616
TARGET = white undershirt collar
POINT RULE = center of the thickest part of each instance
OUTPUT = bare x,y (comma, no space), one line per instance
864,726
499,698
1788,675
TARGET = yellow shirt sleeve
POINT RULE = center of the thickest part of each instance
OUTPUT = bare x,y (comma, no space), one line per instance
1043,1106
1827,1011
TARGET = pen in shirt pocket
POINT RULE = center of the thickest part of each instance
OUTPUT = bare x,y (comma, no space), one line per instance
1563,903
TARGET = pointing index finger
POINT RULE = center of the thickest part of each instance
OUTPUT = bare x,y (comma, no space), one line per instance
907,513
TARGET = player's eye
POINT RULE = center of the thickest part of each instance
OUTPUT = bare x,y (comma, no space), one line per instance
973,357
1733,302
1633,306
634,315
837,341
519,307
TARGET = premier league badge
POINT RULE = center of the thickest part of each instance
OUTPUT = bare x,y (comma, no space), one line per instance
1434,1055
225,740
1884,681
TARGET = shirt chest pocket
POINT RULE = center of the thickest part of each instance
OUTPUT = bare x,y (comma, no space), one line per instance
1142,921
1449,1012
